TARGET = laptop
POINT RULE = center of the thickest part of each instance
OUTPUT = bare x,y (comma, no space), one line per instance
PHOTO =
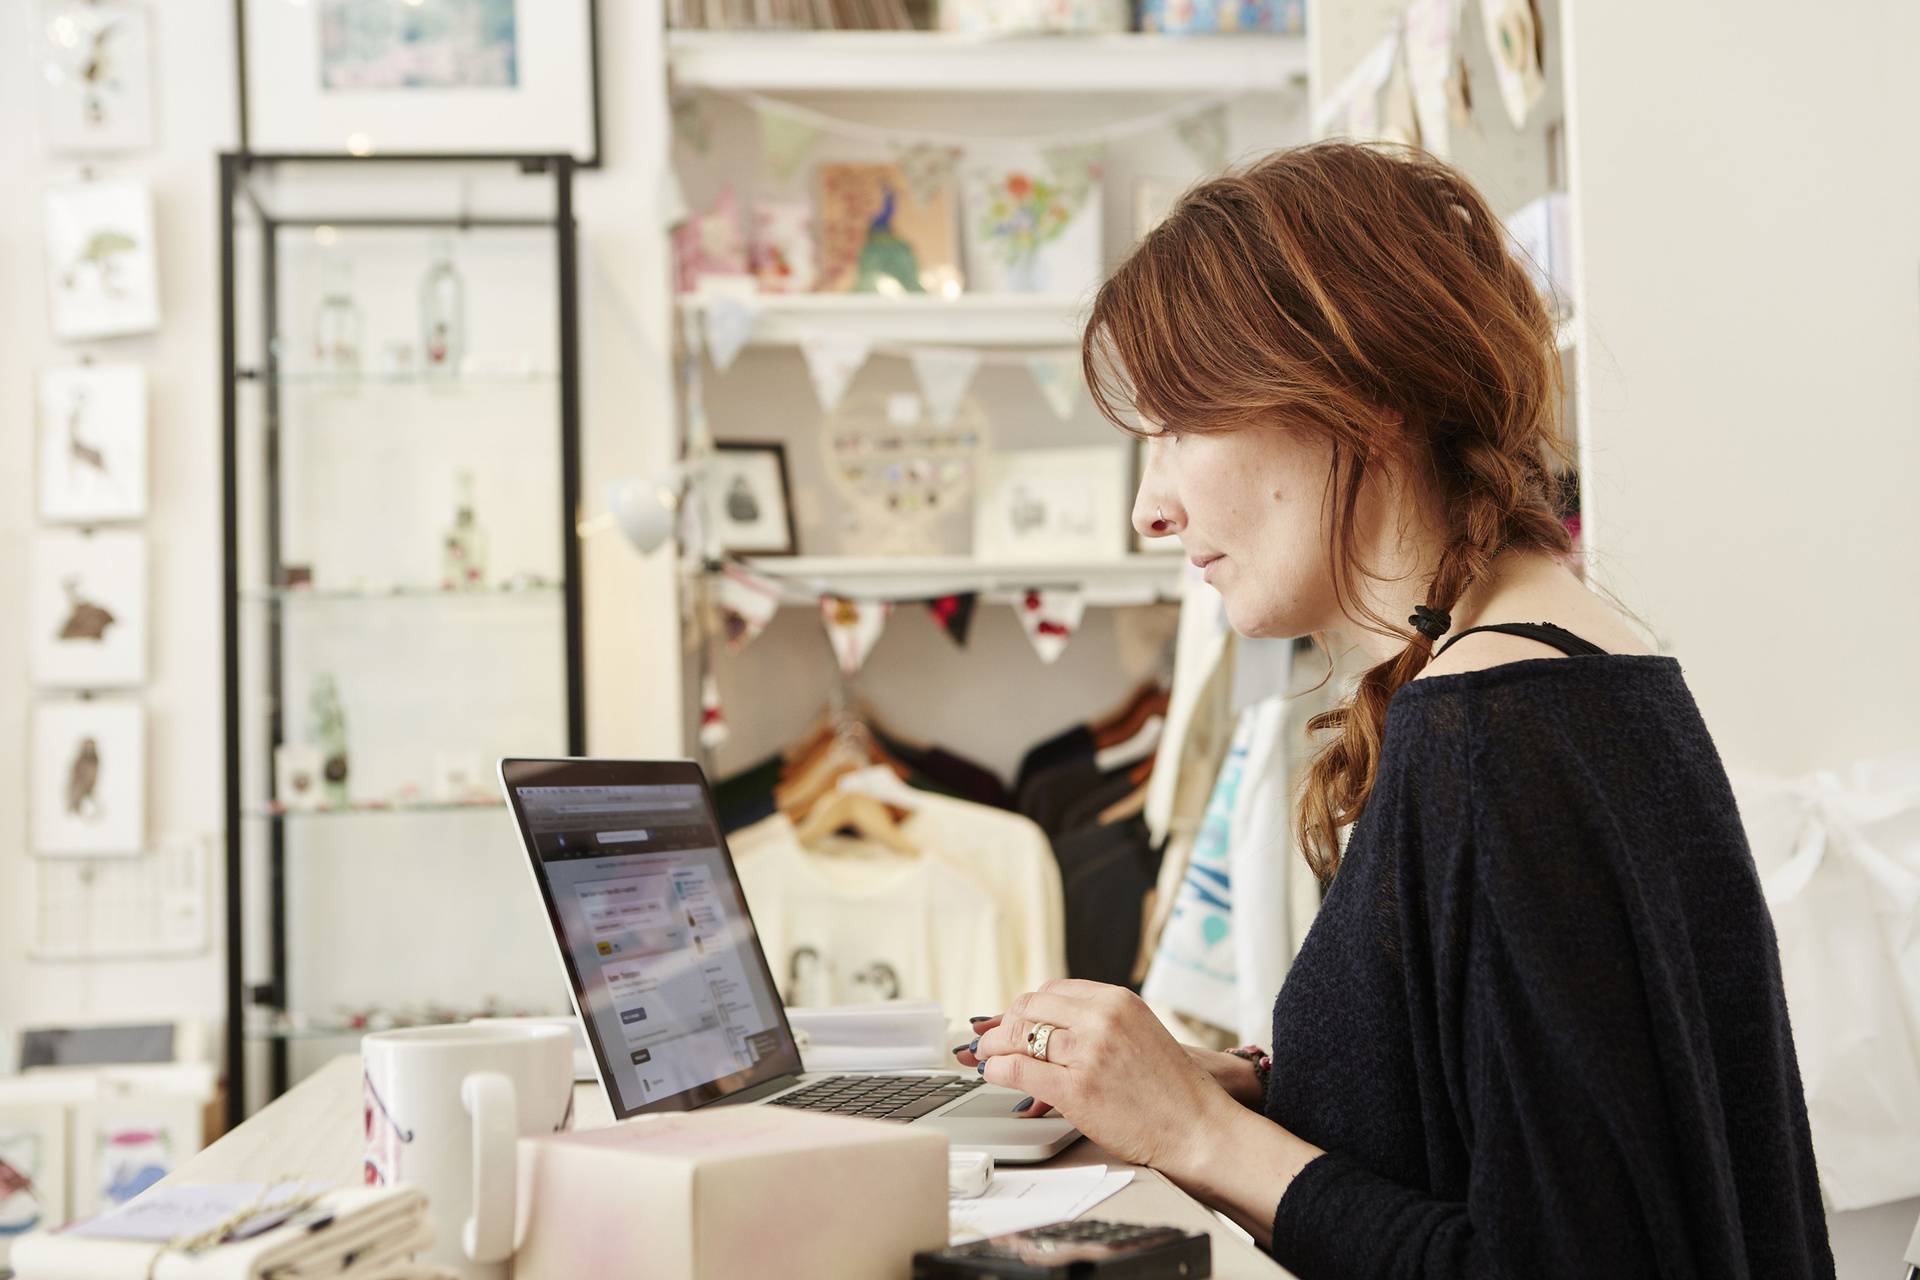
669,978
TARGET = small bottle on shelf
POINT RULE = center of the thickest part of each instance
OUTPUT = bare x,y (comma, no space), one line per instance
337,323
463,564
330,735
443,315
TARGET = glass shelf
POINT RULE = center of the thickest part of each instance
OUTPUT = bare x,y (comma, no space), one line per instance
345,1031
435,381
539,590
361,809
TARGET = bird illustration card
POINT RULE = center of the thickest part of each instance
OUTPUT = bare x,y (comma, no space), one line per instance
89,778
101,278
878,236
96,76
87,610
93,443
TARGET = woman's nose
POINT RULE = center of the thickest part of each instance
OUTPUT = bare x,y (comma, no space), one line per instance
1151,517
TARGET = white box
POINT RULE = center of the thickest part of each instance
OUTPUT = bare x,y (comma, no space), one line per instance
730,1192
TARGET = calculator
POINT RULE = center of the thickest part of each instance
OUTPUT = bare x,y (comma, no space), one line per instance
1087,1247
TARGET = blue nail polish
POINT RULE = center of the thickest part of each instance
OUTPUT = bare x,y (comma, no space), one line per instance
982,1068
959,1049
1023,1104
981,1017
974,1047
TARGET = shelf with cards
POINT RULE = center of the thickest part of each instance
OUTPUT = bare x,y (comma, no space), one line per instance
936,61
1134,579
966,319
344,380
530,591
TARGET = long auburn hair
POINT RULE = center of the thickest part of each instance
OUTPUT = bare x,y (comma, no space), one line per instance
1366,294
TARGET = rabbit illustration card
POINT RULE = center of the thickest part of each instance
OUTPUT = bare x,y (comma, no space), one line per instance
87,610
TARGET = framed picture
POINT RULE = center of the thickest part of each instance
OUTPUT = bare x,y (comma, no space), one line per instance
880,233
123,1145
93,443
33,1169
1033,223
1051,504
445,77
749,507
96,76
1146,546
101,279
87,610
88,773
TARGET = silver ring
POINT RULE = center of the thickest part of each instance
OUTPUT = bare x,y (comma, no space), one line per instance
1037,1040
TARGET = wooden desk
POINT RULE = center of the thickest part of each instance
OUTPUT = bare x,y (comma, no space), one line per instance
314,1131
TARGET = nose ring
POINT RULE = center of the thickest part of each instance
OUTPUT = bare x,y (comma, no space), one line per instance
1159,519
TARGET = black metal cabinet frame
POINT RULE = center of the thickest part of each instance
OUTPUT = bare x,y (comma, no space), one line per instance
234,167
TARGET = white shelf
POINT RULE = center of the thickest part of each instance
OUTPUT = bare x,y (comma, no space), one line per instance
933,62
1136,579
970,319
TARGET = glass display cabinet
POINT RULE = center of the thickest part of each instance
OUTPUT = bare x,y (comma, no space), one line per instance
401,405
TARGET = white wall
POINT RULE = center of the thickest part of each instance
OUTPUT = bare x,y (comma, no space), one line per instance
1748,215
632,656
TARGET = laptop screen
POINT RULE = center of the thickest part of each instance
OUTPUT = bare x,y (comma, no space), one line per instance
653,930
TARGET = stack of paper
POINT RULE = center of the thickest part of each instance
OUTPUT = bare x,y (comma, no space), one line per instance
894,1036
361,1233
1021,1199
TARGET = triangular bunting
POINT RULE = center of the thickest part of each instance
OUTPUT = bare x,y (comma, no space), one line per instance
832,360
1205,135
954,614
1075,166
1058,373
713,721
853,628
944,375
1050,618
928,169
785,141
730,321
743,606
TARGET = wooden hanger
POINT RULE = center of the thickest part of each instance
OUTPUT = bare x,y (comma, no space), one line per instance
1154,703
1124,711
868,817
1120,810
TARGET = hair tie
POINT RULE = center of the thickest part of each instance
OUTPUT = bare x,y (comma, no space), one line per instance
1431,623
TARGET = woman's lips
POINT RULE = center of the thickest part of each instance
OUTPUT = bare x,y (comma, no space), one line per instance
1205,565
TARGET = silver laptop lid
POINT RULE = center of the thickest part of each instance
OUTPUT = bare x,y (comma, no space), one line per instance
652,928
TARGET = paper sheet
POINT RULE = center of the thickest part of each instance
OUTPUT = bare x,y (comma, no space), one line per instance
189,1210
1021,1199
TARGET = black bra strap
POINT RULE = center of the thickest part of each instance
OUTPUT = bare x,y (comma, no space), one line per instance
1545,632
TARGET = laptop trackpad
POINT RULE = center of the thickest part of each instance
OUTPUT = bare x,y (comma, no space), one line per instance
994,1102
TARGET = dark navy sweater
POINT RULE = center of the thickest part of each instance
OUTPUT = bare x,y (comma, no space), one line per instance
1538,1025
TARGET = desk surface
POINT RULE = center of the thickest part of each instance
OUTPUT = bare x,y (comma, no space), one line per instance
314,1131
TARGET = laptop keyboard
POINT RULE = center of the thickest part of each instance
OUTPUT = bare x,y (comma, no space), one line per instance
878,1097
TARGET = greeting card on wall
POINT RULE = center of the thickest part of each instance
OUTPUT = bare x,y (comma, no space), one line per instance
96,77
878,236
87,610
101,278
93,443
1051,504
122,1146
1033,222
88,774
33,1169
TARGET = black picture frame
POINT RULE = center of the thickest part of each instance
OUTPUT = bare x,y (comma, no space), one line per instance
482,148
778,451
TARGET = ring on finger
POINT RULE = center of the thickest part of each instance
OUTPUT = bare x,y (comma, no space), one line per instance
1037,1038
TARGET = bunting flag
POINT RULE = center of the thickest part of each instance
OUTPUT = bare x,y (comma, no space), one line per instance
713,721
1432,27
1075,167
730,320
944,374
1205,135
954,614
785,141
1058,373
1050,618
743,606
928,169
832,360
1513,38
853,628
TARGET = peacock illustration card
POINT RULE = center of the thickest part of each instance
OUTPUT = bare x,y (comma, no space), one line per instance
101,277
87,610
93,443
88,773
881,233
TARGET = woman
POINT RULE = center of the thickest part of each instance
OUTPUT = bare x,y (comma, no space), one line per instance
1537,1028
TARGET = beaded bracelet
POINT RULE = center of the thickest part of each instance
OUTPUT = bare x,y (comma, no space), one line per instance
1262,1062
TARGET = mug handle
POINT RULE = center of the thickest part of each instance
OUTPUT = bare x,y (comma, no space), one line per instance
489,1098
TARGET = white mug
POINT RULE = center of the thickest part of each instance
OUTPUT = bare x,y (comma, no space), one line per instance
444,1108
